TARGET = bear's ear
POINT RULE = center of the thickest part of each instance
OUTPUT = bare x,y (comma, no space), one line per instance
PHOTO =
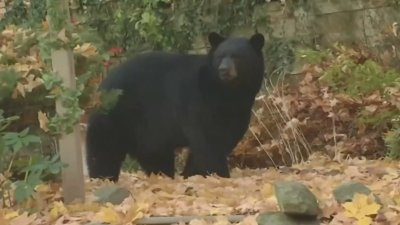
257,41
215,39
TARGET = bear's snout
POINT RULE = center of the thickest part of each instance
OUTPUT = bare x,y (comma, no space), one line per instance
226,69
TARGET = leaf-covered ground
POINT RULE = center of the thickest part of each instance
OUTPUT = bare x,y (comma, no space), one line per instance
248,192
345,104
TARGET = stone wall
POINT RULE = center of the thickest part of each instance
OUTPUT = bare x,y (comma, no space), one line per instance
328,21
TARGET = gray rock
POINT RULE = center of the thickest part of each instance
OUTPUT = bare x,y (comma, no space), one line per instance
345,192
296,199
112,194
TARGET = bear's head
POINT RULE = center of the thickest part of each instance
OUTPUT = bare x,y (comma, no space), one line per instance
237,59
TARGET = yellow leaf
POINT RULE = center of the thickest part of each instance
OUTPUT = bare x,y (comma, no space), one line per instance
351,210
133,215
43,121
11,215
58,210
135,212
108,215
22,67
87,49
267,190
367,207
42,188
370,209
364,221
360,208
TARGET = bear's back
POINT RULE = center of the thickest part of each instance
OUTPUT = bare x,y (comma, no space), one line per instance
153,69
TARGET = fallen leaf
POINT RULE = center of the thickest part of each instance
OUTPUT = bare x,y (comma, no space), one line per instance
87,50
360,208
108,214
267,190
10,215
57,210
23,219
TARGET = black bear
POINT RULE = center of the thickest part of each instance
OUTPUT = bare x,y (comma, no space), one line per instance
171,100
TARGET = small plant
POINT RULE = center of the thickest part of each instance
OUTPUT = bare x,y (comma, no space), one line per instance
358,79
313,56
392,142
22,169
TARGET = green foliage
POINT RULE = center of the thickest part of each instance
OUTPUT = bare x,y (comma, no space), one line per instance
392,142
22,161
138,26
64,123
57,13
25,14
161,24
16,141
4,123
377,120
8,81
130,164
35,173
372,88
12,143
20,146
313,56
59,26
362,80
279,58
392,139
358,79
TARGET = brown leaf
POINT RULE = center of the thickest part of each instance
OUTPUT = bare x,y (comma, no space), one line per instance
62,36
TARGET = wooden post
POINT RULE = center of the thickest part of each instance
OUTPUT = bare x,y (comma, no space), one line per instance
69,144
